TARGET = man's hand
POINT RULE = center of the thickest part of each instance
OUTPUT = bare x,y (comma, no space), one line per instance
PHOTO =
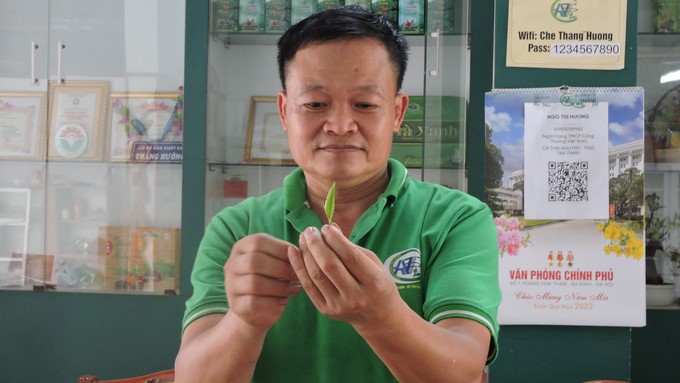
343,280
259,280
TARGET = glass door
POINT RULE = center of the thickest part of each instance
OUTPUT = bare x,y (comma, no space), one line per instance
23,113
658,71
105,186
446,93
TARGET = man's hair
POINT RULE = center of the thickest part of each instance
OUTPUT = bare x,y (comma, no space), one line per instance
350,22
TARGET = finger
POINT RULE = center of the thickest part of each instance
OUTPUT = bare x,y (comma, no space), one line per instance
305,282
360,263
262,286
265,243
262,264
316,256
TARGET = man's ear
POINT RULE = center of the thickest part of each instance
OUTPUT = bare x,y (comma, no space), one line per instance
281,102
400,105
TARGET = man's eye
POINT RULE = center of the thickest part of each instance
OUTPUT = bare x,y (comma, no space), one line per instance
365,105
315,105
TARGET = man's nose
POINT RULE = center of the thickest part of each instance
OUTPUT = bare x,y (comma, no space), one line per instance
340,120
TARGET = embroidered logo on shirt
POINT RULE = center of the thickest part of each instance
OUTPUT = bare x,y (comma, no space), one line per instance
404,266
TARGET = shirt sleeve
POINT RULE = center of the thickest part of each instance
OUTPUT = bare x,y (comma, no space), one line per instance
462,278
207,275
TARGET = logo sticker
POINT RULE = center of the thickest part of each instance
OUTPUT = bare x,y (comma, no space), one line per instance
404,267
71,140
564,11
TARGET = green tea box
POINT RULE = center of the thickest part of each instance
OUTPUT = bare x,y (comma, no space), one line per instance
387,8
666,14
276,16
301,9
225,16
438,123
365,4
251,16
411,17
322,5
440,16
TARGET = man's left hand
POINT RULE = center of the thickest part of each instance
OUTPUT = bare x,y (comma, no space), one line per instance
344,281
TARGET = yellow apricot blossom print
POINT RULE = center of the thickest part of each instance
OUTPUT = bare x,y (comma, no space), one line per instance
621,240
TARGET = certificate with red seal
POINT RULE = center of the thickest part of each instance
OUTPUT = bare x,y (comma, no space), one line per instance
77,120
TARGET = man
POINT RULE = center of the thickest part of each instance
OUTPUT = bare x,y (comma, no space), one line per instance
400,286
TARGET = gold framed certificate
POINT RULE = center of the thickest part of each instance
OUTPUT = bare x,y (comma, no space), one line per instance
77,120
147,127
266,141
22,125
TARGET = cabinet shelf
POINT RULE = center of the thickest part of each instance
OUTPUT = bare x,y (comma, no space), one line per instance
223,166
268,39
658,40
13,222
214,166
662,167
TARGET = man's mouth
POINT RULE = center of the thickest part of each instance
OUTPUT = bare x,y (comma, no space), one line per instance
340,148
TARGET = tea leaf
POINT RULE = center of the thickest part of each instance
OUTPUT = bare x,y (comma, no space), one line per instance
329,204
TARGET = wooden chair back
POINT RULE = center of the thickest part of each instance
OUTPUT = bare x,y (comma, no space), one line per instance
166,376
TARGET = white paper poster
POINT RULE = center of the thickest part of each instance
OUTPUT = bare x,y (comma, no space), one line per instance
559,267
566,161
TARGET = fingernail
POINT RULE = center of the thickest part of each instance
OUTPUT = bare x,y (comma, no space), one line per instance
302,239
324,230
336,227
290,252
294,288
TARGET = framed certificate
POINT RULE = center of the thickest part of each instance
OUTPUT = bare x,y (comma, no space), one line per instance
77,120
266,141
146,127
22,125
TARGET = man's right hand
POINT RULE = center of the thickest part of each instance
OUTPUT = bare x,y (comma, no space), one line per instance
259,280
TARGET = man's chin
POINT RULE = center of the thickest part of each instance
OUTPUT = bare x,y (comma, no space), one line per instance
336,169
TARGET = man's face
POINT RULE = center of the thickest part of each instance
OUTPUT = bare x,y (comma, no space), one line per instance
341,108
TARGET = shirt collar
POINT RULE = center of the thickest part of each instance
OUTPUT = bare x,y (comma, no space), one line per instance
398,175
295,188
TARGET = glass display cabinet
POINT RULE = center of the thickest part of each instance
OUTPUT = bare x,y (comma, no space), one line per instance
658,71
247,151
91,130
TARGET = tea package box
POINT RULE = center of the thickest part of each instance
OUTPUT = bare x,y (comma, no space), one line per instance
251,16
438,121
666,14
140,258
301,9
366,4
440,16
225,16
276,16
388,8
322,5
411,17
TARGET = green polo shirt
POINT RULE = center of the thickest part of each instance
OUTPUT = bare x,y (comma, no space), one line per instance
440,246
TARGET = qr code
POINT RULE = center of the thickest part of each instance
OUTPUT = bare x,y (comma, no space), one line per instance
567,181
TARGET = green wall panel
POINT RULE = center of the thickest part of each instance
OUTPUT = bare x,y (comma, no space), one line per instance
55,337
561,353
656,348
481,69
